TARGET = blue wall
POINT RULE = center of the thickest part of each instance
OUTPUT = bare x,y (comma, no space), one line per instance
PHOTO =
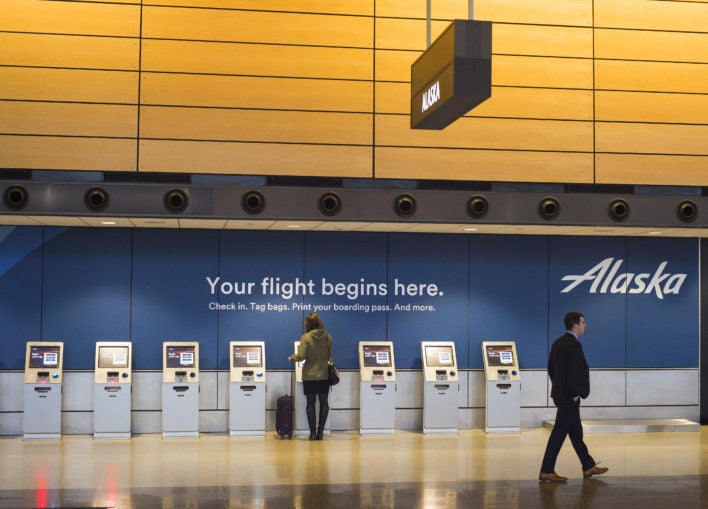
80,285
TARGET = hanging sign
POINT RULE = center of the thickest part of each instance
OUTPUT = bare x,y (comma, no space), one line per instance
453,76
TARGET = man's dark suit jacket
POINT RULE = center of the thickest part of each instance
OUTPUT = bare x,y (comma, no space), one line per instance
568,369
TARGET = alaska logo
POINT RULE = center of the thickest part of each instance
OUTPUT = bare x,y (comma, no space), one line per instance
431,96
605,277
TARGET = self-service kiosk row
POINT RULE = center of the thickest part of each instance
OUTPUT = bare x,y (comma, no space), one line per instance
441,386
112,389
180,389
503,388
378,387
43,390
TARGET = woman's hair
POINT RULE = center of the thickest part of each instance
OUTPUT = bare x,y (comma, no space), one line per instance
312,322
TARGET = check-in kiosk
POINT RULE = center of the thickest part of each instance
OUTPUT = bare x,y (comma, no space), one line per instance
301,425
248,388
501,367
180,390
112,389
42,390
377,405
441,387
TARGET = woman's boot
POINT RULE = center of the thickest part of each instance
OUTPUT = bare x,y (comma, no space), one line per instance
324,411
311,421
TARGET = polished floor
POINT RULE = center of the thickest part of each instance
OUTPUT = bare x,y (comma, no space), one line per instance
405,470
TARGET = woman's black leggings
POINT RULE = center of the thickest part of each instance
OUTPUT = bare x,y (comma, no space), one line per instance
324,409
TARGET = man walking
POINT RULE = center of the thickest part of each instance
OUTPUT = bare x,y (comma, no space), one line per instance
570,381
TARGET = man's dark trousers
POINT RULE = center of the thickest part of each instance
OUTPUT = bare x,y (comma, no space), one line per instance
567,423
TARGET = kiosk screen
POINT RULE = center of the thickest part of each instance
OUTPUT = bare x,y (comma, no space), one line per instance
179,356
113,357
44,356
500,355
247,356
377,356
439,357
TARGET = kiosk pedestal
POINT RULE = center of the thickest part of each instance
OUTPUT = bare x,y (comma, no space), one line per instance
42,391
112,390
441,387
377,369
300,402
501,367
180,390
248,389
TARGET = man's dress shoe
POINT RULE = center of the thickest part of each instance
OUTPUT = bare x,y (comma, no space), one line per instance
595,470
552,477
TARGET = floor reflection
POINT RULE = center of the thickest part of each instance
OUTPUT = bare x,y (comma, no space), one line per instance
683,492
406,470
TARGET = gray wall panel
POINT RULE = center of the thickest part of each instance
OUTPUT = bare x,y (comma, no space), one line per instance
10,423
662,387
650,394
534,389
147,390
77,392
76,423
607,388
477,389
11,394
208,390
146,422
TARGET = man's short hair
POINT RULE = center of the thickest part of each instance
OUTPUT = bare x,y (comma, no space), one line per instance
572,318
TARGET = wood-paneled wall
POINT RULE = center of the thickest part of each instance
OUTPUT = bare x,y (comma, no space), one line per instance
587,91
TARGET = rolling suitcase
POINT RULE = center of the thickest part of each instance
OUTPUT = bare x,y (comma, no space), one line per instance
284,417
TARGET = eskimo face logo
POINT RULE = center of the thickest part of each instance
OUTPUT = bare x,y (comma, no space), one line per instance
606,278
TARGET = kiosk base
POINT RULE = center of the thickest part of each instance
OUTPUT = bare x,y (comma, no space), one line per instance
301,426
440,407
440,431
502,430
180,434
117,435
303,432
246,433
374,431
503,414
111,410
41,436
377,415
41,418
247,409
180,410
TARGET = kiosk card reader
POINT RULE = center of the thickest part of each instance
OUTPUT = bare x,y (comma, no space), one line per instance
247,408
180,389
300,401
501,367
441,387
112,390
377,369
42,390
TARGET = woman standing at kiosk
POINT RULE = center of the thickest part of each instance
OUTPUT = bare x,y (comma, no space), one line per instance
316,350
